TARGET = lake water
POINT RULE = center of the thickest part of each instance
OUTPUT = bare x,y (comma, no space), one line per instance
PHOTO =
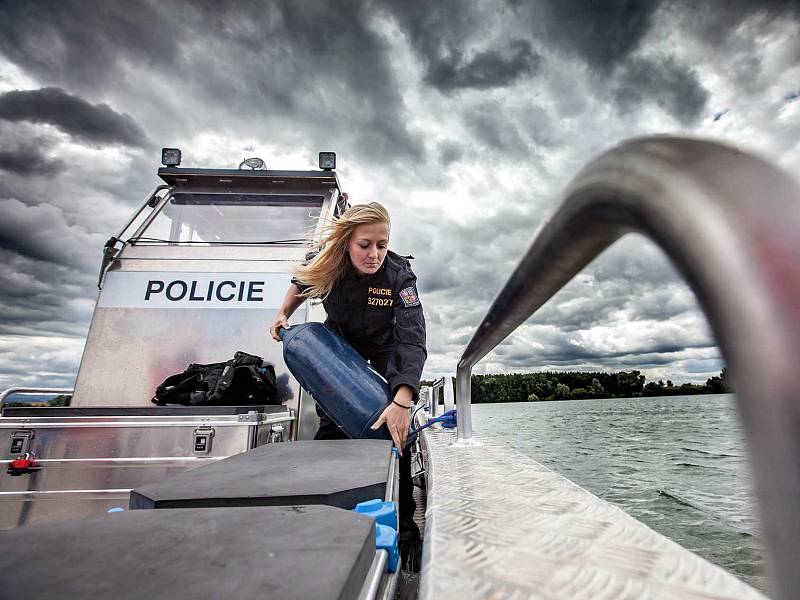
677,463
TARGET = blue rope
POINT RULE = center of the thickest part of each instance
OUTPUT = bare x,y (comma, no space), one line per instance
447,420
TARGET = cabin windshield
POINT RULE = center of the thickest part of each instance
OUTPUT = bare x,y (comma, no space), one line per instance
208,218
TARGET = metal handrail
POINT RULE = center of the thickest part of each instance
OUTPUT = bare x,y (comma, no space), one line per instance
110,250
147,202
32,390
731,224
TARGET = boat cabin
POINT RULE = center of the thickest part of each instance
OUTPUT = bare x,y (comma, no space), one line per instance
196,275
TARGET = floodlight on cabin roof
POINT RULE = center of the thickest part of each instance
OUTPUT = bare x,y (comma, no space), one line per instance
170,157
327,161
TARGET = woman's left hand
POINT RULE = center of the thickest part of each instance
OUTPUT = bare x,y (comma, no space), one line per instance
396,417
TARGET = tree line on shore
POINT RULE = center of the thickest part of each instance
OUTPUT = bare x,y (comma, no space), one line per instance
580,385
60,400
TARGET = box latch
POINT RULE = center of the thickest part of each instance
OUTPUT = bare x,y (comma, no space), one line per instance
20,442
202,440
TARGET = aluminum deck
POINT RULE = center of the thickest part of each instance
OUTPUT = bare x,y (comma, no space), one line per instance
501,525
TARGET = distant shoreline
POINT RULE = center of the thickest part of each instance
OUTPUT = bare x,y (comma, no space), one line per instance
584,385
615,398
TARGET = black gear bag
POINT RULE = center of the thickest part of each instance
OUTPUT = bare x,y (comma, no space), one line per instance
243,380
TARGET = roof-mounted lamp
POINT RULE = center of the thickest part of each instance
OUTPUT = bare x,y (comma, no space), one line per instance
254,163
170,157
327,161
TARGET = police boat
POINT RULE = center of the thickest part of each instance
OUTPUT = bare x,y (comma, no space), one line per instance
113,495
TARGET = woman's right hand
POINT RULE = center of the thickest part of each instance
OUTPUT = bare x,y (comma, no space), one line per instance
280,322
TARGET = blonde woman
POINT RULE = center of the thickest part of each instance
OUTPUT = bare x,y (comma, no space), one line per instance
370,296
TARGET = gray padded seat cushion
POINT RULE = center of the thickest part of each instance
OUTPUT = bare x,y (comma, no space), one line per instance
291,553
338,473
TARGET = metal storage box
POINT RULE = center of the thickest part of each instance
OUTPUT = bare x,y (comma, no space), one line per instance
87,460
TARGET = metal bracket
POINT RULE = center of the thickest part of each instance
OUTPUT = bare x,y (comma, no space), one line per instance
275,434
252,416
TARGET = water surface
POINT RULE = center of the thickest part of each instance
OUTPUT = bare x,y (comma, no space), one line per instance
677,463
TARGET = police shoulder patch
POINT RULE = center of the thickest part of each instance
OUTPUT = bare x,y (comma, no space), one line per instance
409,296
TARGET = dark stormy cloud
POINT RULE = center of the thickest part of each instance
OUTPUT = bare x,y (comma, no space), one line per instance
457,50
466,119
257,66
673,87
93,123
28,159
487,69
603,33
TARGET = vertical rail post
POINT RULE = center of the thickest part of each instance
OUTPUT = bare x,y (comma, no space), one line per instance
435,397
464,402
448,393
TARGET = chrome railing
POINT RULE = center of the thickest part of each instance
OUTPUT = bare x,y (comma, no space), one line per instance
731,224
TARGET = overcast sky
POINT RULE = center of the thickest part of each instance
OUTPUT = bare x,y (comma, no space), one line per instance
466,119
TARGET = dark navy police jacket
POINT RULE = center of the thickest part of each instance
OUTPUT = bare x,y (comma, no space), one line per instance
380,315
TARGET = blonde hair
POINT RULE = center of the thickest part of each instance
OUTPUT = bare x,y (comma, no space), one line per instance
325,269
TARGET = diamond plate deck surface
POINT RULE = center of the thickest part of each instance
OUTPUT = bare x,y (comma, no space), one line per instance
499,525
